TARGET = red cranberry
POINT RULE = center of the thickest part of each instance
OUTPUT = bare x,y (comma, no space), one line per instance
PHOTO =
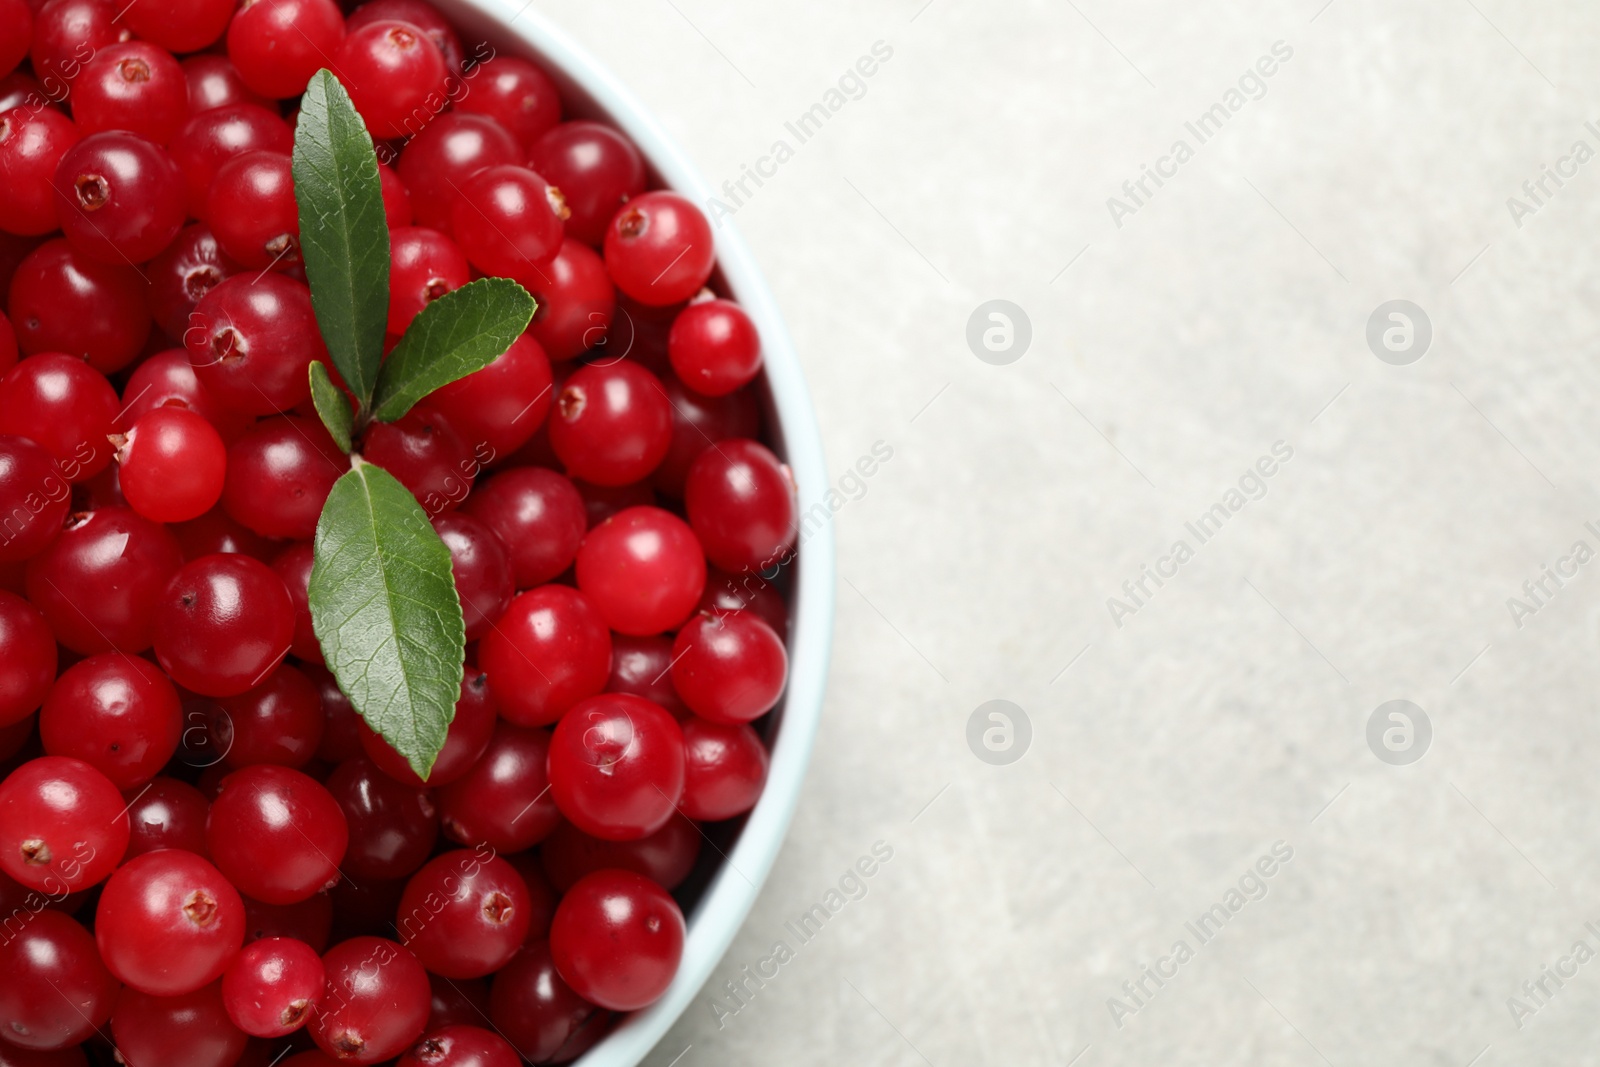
119,197
376,1001
278,722
482,571
420,14
167,813
277,45
192,1029
136,86
643,569
598,170
616,766
437,162
464,914
714,347
273,987
612,423
62,301
745,592
659,249
171,465
56,992
32,142
279,476
395,76
666,857
21,89
251,340
516,94
66,33
497,409
741,504
729,668
600,502
502,802
63,825
294,565
461,1046
66,406
508,221
725,768
214,137
180,277
277,834
538,1012
426,455
27,657
392,827
222,624
643,666
424,265
16,33
308,920
550,650
215,532
396,201
214,82
252,210
341,732
617,939
168,923
180,25
542,896
575,302
538,516
465,741
34,497
99,584
117,713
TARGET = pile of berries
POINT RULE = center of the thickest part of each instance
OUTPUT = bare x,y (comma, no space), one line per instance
206,856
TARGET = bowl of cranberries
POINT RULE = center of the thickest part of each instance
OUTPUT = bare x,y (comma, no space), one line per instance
407,649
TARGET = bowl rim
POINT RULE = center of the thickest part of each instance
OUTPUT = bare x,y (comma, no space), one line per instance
726,902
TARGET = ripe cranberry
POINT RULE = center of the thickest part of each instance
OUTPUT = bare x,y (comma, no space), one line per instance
396,201
252,338
508,221
341,734
659,249
119,197
741,504
464,914
666,857
600,502
32,142
643,569
16,33
498,408
214,82
215,532
277,834
461,1046
273,986
576,302
392,827
117,713
725,768
277,45
745,592
294,565
56,992
437,162
616,766
222,624
13,739
539,1013
100,582
395,76
457,1002
62,301
422,15
66,33
63,825
714,347
426,455
482,571
538,516
464,743
135,86
252,210
376,1001
729,668
180,25
214,137
167,813
502,802
192,1029
516,94
612,423
643,666
308,920
185,271
34,497
168,923
550,650
278,722
617,939
27,658
171,465
598,170
542,896
21,89
424,265
279,476
64,405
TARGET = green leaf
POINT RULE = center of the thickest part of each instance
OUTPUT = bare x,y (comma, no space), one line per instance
331,405
385,609
344,239
463,331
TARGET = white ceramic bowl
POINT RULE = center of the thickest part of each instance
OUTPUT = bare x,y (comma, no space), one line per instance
513,27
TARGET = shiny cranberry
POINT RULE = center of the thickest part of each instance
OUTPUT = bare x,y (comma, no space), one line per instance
508,221
464,914
63,825
279,475
516,94
341,733
426,455
420,14
392,827
189,268
643,570
659,249
215,532
252,210
115,712
100,583
482,571
600,502
498,408
180,25
136,86
666,857
21,89
461,1046
32,142
66,406
273,987
542,896
56,991
643,666
617,939
395,76
424,265
714,347
612,423
538,516
119,197
457,1002
278,722
598,170
376,1001
538,1012
62,301
277,45
741,504
213,138
396,201
222,624
725,768
308,920
503,801
550,650
729,668
192,1029
745,592
277,834
168,923
576,302
27,658
294,565
66,34
252,338
437,162
171,465
464,743
616,766
16,33
214,82
167,813
33,495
